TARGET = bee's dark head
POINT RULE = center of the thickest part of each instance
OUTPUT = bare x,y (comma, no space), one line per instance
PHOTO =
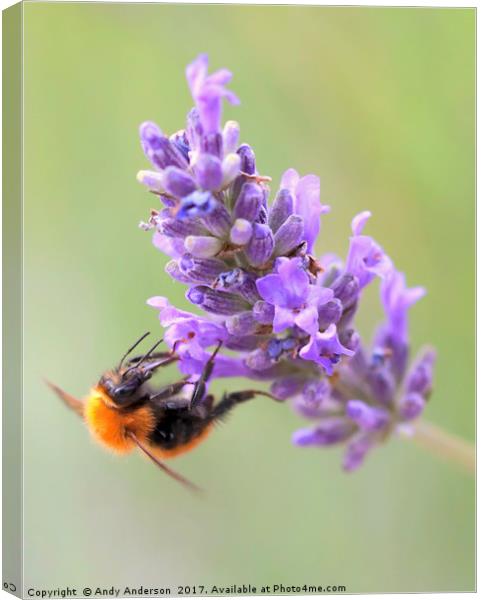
123,386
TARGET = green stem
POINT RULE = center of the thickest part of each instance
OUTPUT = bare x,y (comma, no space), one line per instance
445,445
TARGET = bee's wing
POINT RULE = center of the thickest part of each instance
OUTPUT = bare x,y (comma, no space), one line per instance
162,466
73,403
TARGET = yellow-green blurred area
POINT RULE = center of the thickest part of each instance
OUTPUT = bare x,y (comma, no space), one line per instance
379,102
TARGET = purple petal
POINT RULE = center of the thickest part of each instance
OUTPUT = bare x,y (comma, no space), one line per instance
283,318
289,180
308,206
318,295
271,289
307,319
208,92
396,300
295,281
359,221
325,349
366,259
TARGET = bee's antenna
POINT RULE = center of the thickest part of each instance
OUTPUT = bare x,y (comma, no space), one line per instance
143,337
145,357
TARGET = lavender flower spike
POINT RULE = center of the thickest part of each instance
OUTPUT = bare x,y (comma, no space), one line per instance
208,92
286,315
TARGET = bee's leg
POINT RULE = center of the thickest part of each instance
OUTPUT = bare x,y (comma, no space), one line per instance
208,402
168,391
199,390
229,401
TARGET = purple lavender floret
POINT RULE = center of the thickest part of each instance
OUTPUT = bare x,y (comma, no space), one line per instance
251,269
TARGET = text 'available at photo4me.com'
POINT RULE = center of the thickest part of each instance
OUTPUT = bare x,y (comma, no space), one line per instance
183,590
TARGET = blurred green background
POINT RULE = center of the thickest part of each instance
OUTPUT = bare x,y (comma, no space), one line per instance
378,102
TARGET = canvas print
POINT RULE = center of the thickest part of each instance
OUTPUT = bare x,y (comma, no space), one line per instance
239,254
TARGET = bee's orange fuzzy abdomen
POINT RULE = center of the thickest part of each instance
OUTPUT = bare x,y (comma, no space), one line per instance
109,426
183,448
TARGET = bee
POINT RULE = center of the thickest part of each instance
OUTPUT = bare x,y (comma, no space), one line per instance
123,412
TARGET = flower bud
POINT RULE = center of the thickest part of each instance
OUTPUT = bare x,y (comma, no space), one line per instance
351,340
263,312
180,228
177,182
231,167
419,379
316,392
158,149
202,246
179,139
151,179
287,387
241,232
289,235
282,208
241,324
329,432
259,360
382,386
357,450
219,303
248,290
248,160
201,270
242,343
218,220
229,280
172,269
209,173
411,406
230,137
367,417
348,315
315,401
346,289
261,245
398,348
329,313
249,202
